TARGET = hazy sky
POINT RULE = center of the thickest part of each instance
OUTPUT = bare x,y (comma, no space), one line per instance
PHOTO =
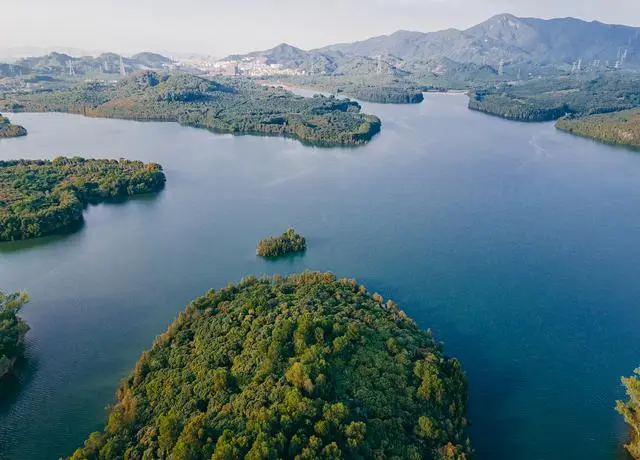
221,27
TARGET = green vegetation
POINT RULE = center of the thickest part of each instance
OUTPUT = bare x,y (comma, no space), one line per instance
9,130
12,330
303,367
42,197
388,95
386,91
552,98
287,243
615,128
235,106
630,410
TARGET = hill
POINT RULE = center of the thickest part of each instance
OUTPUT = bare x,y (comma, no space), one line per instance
301,367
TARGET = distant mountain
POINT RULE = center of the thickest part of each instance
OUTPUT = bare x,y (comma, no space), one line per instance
14,53
512,39
291,57
151,60
316,62
106,63
520,43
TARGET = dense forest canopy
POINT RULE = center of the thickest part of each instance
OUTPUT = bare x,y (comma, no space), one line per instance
616,128
630,410
231,105
288,243
303,367
12,330
7,129
41,197
552,98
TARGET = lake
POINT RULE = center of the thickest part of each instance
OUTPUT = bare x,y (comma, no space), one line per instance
516,244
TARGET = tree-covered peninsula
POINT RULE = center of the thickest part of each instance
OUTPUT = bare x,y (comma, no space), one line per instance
7,129
235,106
12,330
277,246
621,128
302,367
548,99
630,410
42,197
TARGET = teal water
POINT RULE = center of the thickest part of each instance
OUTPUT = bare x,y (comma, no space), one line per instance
518,245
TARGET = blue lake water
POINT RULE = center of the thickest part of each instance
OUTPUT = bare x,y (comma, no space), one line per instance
516,244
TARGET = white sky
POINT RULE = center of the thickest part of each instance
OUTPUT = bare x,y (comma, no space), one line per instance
220,27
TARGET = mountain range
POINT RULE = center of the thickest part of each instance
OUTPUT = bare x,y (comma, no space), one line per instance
503,38
106,63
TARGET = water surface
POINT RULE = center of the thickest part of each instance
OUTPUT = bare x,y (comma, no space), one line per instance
518,245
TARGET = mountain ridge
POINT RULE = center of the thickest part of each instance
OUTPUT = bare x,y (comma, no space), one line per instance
502,38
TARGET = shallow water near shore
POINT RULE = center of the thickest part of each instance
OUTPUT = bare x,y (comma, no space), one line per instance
515,243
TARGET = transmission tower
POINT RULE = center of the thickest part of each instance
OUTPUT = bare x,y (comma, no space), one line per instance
123,71
501,67
379,69
72,71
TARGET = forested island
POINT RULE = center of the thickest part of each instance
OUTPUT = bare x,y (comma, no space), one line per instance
237,106
630,410
306,366
277,246
42,197
7,129
615,128
12,330
548,99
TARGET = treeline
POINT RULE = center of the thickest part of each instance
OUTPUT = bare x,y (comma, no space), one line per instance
615,128
387,95
42,197
548,99
630,410
276,246
7,129
512,108
230,105
304,367
12,330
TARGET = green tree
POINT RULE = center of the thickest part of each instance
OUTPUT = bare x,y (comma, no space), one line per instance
630,410
12,330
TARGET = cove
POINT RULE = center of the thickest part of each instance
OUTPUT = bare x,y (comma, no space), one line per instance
516,244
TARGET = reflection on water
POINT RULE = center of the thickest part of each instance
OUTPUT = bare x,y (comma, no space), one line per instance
18,380
23,245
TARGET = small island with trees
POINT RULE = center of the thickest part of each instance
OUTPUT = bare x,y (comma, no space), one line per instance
43,197
277,246
228,105
630,410
7,129
306,366
12,330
